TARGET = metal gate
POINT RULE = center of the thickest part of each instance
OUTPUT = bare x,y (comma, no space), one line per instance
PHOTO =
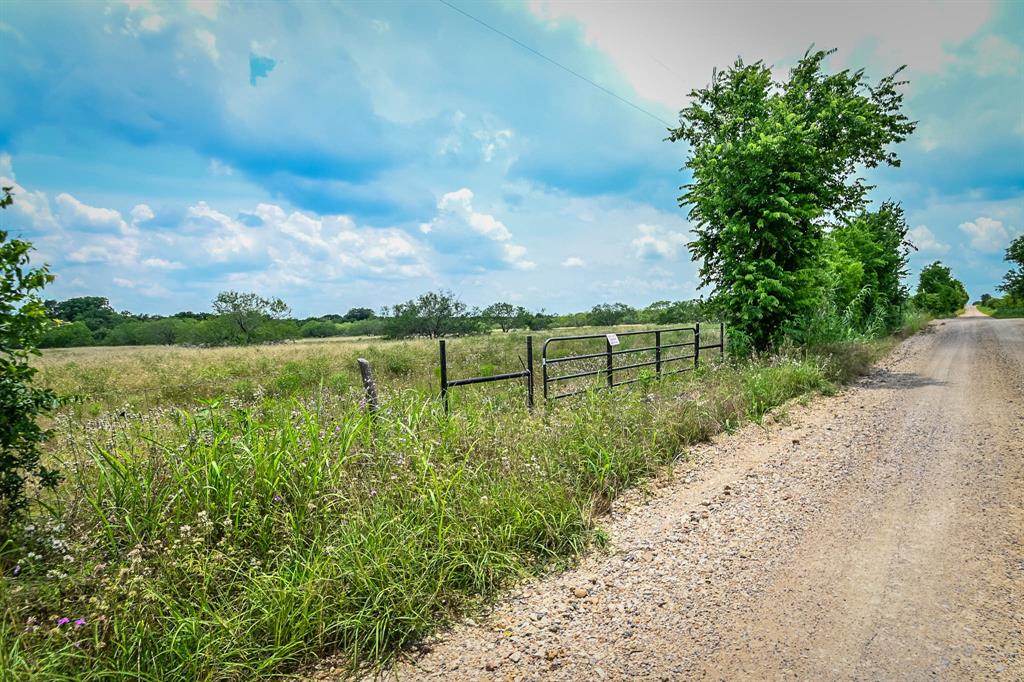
665,341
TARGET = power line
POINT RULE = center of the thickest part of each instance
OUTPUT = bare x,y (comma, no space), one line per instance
563,67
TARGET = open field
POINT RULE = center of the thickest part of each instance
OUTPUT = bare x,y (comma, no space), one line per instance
146,377
249,535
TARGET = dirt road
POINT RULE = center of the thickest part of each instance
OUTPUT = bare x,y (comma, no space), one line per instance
874,535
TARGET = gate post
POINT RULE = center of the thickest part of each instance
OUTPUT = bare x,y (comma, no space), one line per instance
657,352
444,377
696,346
611,362
529,367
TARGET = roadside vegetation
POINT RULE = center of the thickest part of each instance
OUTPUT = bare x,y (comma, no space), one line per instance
234,513
1011,304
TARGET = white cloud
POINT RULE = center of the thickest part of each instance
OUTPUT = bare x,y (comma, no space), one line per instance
987,234
458,222
74,213
924,239
208,42
6,166
122,282
658,243
218,167
152,23
573,262
206,8
161,264
142,213
225,238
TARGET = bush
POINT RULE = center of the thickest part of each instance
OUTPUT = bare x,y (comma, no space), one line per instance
23,323
68,335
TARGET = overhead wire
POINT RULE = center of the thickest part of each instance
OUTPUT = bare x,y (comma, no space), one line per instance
556,63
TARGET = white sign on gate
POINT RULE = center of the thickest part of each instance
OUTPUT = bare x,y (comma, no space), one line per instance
613,340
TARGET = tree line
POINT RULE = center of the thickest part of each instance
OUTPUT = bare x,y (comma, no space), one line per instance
242,318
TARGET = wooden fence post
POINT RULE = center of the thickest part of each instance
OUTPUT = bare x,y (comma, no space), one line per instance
369,385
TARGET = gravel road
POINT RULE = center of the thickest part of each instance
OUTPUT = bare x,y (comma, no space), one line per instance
873,535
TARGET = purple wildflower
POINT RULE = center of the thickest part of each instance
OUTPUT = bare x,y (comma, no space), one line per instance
79,623
63,621
17,570
278,498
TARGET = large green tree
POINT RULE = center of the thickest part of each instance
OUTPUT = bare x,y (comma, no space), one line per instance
1013,282
433,314
774,164
938,291
23,322
246,314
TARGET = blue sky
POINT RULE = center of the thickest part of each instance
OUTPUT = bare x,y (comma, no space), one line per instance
357,154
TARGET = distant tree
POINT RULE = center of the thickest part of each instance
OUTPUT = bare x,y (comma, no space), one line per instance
1013,281
506,316
357,314
95,311
538,320
247,313
672,312
433,314
23,322
67,335
773,166
938,292
611,314
189,315
319,329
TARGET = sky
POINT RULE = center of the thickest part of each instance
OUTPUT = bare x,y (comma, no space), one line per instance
339,154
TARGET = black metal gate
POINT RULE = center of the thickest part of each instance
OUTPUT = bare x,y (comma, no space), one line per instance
664,341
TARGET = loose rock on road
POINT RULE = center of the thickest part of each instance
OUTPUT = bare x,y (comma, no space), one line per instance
874,535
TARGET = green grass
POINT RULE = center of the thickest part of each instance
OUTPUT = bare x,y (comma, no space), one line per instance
242,539
1002,313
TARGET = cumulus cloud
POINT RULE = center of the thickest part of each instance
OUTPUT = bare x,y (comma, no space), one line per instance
657,243
75,213
987,234
573,262
142,213
924,239
478,240
272,247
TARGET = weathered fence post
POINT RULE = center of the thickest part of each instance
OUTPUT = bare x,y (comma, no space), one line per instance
721,337
529,368
657,352
369,385
696,346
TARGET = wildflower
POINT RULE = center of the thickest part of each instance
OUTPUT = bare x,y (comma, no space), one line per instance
79,623
63,621
278,498
17,570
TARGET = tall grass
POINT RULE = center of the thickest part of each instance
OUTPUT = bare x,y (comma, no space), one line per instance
242,539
